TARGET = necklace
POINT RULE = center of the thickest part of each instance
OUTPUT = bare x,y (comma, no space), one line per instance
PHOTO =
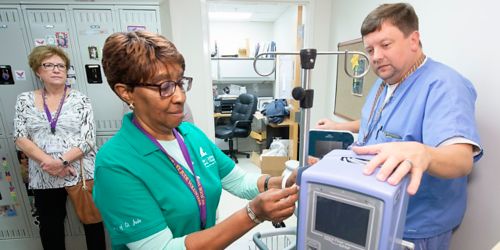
376,118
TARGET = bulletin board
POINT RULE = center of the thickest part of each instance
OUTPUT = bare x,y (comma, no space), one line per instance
350,94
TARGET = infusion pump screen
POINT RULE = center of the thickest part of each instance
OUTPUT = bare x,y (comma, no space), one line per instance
342,220
324,147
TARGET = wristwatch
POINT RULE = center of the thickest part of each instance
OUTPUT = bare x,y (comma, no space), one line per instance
65,162
252,215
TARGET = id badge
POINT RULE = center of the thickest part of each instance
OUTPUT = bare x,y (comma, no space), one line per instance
54,146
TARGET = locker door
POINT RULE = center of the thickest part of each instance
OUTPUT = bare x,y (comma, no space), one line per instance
134,17
13,59
49,25
14,222
93,27
2,130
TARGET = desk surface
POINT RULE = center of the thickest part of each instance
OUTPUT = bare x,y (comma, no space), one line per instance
287,122
220,115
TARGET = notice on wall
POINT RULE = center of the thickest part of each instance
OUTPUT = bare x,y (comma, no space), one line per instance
135,27
8,211
62,39
20,75
6,75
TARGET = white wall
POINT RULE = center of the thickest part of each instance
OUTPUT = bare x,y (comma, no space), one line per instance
231,36
284,30
462,34
318,20
285,36
189,27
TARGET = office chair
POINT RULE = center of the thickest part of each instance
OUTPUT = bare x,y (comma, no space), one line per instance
240,123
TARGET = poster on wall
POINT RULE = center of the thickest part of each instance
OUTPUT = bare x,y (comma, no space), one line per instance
23,163
135,28
39,42
93,53
20,75
50,40
8,211
62,39
358,66
350,94
6,77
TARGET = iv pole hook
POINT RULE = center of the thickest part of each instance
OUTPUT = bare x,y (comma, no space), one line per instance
345,53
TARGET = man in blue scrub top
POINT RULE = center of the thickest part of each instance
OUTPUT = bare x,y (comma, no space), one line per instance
418,119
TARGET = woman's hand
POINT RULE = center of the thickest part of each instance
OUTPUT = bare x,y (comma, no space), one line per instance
67,171
55,167
292,178
311,160
275,204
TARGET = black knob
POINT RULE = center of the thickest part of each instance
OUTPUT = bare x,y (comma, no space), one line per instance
298,93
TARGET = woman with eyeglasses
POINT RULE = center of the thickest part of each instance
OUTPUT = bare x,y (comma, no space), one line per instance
159,180
53,126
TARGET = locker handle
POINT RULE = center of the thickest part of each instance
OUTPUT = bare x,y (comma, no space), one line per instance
49,26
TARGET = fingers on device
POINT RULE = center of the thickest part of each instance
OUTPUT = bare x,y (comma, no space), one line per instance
321,142
341,208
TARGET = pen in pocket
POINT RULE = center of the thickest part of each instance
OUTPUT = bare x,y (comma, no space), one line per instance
391,135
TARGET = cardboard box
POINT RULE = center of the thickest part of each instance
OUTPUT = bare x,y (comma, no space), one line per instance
258,122
272,165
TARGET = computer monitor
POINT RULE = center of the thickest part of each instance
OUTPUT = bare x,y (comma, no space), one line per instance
321,142
341,208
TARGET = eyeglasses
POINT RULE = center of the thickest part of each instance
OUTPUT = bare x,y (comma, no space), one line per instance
167,88
51,66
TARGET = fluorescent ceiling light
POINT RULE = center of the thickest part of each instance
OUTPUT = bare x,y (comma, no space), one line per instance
229,16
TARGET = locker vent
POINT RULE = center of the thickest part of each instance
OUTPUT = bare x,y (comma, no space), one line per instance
101,139
97,16
8,16
108,125
47,16
139,17
13,234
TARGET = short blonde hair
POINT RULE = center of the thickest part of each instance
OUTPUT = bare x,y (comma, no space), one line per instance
40,53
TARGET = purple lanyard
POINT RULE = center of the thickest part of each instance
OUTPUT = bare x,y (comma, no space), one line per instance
53,122
198,193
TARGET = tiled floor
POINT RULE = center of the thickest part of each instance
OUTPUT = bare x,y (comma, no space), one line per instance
229,204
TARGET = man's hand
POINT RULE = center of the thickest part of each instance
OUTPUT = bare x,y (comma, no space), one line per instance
326,124
396,160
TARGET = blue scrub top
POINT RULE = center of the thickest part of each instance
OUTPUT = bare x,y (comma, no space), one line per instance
433,104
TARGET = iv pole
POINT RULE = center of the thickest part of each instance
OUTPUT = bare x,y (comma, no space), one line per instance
304,94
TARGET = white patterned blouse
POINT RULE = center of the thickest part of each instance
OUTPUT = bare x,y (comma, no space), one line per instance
75,128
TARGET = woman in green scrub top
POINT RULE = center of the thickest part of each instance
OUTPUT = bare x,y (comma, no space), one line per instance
158,181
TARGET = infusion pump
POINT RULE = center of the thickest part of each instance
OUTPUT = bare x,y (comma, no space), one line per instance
341,208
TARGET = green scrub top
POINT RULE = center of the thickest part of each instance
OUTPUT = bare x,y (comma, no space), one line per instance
139,192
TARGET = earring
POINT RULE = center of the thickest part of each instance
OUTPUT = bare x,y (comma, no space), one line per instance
131,106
